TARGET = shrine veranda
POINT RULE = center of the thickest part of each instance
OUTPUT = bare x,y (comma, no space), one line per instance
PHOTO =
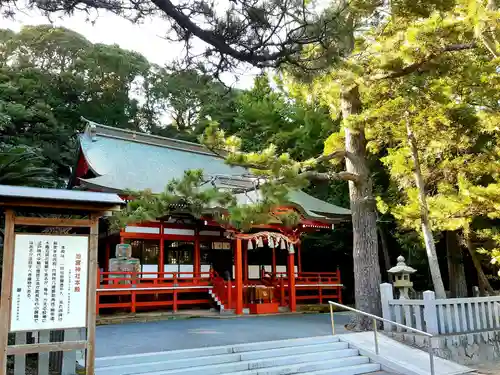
186,262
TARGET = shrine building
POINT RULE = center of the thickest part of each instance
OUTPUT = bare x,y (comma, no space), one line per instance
186,262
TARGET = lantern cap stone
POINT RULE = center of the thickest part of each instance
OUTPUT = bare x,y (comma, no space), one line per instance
401,267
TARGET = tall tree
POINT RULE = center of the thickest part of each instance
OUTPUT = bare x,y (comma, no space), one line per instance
452,107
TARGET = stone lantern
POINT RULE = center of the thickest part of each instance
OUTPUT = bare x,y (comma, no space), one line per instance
401,274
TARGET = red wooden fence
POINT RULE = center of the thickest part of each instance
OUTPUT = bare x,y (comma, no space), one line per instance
153,290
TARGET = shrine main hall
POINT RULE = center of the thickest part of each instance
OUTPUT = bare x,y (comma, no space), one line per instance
183,262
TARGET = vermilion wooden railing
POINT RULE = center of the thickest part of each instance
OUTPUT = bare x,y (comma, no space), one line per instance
128,286
319,286
163,289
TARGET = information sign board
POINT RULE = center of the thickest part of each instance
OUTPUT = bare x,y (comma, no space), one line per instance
49,286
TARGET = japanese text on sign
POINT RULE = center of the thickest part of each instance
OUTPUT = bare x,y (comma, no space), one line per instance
51,289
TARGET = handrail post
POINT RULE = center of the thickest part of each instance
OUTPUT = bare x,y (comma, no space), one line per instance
375,335
431,356
331,319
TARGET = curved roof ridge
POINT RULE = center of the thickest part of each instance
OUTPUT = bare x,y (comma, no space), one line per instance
96,129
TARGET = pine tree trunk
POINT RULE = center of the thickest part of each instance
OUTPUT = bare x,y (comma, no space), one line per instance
364,224
484,283
456,270
430,246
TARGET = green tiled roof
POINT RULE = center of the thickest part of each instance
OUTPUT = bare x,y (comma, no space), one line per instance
126,160
310,206
122,163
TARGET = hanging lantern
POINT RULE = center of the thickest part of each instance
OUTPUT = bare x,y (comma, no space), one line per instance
250,245
270,242
260,243
283,245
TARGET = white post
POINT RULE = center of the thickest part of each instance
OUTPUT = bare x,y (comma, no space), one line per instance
430,312
386,295
69,358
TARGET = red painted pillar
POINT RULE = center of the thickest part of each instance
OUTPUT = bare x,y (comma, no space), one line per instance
245,264
161,257
196,260
299,260
291,281
238,277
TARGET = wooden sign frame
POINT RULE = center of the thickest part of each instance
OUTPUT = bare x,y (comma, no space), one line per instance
94,210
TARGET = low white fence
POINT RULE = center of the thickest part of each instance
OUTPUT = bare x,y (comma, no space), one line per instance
454,316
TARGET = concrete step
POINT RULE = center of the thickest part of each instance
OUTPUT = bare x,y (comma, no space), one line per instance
312,355
357,369
297,368
236,362
210,351
367,368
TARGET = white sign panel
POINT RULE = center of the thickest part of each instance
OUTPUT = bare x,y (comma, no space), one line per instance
49,287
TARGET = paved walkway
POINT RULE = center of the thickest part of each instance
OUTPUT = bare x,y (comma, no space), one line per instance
135,338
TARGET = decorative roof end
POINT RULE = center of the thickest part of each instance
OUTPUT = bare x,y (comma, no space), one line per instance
93,132
91,129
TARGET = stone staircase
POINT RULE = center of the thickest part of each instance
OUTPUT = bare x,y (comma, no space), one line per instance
307,356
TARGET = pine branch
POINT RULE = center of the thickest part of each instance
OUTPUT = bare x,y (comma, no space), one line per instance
417,65
327,176
219,42
338,154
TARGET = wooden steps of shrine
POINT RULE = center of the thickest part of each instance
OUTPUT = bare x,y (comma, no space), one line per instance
311,356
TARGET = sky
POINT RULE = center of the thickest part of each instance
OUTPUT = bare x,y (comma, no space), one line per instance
108,28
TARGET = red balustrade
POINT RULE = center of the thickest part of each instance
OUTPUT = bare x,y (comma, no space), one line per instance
313,286
149,290
157,289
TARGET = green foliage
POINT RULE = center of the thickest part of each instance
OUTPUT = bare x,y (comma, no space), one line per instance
195,196
50,77
21,165
266,115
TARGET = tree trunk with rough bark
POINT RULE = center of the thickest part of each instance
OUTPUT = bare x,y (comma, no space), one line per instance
456,270
484,283
367,277
430,246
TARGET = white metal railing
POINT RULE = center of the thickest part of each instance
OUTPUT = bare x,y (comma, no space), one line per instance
375,330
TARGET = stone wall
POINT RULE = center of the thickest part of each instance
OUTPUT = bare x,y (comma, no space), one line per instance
467,350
